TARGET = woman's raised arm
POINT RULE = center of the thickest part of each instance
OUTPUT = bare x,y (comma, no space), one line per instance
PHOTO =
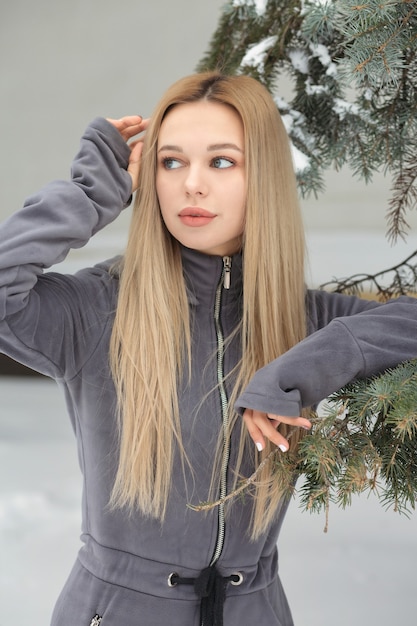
65,214
42,316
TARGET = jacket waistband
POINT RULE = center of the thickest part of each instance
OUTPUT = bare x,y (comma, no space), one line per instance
155,578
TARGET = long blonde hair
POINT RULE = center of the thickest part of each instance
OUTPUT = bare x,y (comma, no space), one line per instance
151,340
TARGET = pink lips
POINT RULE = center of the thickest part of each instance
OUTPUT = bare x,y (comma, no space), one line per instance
195,216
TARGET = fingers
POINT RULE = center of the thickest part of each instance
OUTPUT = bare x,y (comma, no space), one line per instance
262,426
130,125
134,164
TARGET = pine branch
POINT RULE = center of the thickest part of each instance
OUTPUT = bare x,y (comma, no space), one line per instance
251,480
402,282
244,485
385,21
404,198
365,441
324,47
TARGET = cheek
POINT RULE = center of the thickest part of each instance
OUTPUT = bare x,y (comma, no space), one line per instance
166,187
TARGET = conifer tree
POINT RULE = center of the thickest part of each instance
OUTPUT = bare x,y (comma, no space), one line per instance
352,70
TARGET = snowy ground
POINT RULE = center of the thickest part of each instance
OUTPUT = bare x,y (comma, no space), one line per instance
361,572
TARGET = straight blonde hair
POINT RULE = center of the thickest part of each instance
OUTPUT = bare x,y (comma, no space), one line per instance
151,340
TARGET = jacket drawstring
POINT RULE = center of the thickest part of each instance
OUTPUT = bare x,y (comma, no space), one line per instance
210,588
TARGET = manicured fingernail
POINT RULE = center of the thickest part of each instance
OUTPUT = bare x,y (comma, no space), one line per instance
259,446
282,447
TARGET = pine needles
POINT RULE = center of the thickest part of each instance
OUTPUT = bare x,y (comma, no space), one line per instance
352,68
365,440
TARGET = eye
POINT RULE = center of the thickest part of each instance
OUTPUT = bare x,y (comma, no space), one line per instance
170,163
222,163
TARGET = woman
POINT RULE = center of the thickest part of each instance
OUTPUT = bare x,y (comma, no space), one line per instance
160,353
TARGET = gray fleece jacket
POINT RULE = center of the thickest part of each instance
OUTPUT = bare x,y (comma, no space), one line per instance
60,325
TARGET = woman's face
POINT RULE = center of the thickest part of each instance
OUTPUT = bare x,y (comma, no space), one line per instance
200,180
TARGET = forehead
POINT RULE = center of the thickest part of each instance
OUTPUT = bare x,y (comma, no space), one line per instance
205,118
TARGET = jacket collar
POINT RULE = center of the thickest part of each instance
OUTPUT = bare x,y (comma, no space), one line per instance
203,272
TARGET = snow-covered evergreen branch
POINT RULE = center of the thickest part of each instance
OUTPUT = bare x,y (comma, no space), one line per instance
352,70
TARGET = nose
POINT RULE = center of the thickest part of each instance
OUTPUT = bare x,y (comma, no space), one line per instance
196,183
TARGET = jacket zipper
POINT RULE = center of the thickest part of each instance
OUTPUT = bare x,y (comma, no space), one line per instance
224,283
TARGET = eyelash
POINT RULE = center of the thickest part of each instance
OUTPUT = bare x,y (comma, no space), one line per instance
167,160
221,158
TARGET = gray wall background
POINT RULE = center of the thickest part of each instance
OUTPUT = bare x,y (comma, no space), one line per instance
63,63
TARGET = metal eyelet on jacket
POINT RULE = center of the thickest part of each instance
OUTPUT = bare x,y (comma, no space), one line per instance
171,582
236,579
96,620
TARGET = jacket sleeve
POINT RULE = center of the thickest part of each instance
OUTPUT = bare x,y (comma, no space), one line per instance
349,347
63,215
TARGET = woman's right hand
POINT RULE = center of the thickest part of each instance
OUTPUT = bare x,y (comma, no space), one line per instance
129,127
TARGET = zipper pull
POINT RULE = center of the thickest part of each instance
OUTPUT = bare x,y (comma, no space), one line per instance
227,270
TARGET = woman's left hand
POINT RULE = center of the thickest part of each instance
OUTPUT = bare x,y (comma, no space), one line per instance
264,425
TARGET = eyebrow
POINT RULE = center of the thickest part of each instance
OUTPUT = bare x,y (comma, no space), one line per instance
224,146
213,147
